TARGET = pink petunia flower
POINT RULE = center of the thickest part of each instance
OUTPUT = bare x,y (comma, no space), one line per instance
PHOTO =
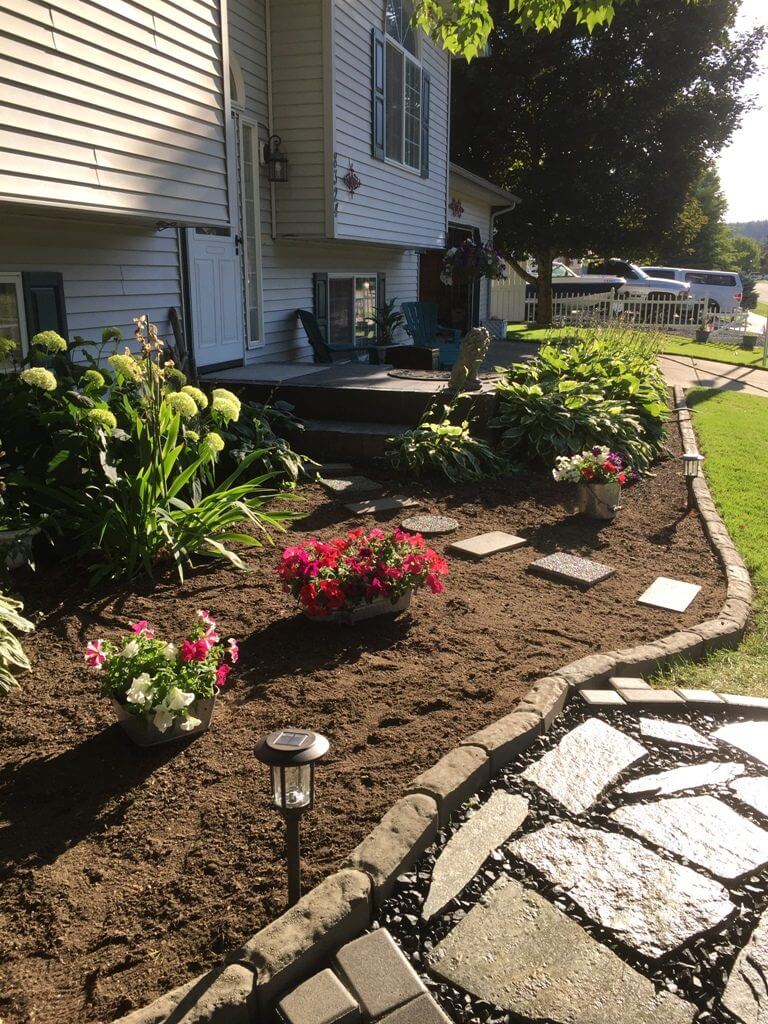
221,674
233,649
206,618
94,653
190,651
143,628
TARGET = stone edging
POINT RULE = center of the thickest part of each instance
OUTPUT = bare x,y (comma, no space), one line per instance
343,905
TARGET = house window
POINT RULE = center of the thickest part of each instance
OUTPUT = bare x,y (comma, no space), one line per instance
12,319
403,86
351,308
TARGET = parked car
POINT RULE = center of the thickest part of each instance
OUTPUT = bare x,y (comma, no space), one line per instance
722,288
637,283
567,283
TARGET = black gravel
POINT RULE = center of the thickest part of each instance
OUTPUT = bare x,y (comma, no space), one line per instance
696,971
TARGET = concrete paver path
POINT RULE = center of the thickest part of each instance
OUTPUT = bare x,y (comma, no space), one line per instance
688,372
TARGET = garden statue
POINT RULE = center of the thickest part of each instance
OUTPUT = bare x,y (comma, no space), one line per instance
474,348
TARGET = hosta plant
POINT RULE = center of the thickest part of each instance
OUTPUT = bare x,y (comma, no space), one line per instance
12,656
443,448
157,680
341,574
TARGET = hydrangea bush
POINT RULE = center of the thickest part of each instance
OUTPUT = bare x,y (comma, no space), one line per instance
597,465
157,680
340,574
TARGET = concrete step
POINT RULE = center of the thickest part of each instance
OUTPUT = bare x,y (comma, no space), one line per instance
345,439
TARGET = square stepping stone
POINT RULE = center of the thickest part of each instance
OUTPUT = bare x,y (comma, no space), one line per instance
321,999
394,504
584,763
651,698
347,487
672,595
571,569
377,973
629,683
701,829
423,1010
516,950
329,469
674,732
698,696
602,698
652,904
486,544
743,700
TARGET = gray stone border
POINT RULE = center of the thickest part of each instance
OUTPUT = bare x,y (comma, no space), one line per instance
299,942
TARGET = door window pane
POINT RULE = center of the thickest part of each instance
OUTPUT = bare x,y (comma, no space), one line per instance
250,230
10,321
341,294
365,310
412,114
395,85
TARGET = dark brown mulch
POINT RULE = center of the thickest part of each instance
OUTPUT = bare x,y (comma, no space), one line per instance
126,872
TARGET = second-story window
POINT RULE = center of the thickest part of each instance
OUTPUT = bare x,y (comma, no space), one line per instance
403,86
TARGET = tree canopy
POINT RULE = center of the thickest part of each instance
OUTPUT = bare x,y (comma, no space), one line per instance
604,133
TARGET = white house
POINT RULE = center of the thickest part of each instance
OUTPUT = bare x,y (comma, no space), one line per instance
135,175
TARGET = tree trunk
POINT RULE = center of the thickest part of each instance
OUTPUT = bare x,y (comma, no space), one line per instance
544,257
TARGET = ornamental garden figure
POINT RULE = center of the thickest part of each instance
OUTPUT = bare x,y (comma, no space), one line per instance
474,349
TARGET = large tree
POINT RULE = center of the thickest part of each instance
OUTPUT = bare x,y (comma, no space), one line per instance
602,134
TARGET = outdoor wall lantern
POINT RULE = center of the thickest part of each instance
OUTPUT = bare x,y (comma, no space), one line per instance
291,755
691,463
277,162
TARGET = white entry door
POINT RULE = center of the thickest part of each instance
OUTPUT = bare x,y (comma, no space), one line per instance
216,293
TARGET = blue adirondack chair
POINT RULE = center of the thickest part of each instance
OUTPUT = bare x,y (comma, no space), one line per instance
421,323
323,351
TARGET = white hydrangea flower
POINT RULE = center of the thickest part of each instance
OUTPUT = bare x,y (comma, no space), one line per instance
130,650
139,692
189,723
178,699
163,718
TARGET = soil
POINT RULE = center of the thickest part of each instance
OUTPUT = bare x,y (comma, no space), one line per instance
125,872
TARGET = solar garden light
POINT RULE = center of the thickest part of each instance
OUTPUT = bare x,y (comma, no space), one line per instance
691,463
291,756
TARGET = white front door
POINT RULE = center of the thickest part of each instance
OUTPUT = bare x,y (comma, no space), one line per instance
216,293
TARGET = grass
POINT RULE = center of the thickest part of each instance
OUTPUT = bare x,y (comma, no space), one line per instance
762,308
670,344
732,429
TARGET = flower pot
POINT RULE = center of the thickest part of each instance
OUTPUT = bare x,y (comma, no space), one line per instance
365,610
749,341
601,501
144,733
702,335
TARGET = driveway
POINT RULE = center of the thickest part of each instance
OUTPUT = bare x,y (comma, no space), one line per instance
687,372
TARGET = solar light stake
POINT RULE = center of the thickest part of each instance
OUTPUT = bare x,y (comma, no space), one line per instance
691,463
291,755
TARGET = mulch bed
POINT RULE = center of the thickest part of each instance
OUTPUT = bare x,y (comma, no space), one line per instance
125,872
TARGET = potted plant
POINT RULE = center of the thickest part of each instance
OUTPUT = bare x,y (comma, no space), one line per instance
161,692
599,473
472,260
360,575
748,342
388,320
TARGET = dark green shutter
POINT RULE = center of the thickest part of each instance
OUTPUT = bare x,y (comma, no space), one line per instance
320,289
44,302
381,290
425,84
377,94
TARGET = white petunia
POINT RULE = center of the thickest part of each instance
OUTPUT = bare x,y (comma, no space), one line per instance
139,692
169,652
189,723
130,650
178,699
163,718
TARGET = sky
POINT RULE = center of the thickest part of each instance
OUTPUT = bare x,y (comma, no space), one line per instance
744,164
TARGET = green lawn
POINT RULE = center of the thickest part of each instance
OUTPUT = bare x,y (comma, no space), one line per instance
762,308
732,430
670,344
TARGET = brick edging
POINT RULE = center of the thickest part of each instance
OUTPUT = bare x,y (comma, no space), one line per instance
296,944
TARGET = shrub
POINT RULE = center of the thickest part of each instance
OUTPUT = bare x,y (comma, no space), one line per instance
597,391
12,656
442,448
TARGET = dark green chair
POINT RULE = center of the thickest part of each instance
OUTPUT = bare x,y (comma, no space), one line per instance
323,351
421,323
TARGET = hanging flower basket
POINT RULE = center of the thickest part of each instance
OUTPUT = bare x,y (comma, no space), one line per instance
161,692
471,261
361,575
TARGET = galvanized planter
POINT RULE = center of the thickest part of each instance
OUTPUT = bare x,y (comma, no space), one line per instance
142,731
379,606
600,501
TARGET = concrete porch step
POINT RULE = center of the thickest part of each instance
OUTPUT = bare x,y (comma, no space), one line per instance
344,439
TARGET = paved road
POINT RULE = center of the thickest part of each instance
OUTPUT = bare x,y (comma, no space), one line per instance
704,373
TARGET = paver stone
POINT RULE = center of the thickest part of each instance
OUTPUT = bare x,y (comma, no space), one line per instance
672,595
674,732
746,993
486,544
754,792
567,568
751,737
689,776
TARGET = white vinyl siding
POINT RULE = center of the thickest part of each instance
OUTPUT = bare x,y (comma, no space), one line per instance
394,205
114,108
111,272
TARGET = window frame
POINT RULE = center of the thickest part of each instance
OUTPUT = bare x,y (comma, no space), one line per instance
245,122
416,60
346,275
15,278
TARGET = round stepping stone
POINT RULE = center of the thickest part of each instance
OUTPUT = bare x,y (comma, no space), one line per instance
430,525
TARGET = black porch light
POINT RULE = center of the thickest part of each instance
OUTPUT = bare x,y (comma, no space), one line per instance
277,162
691,463
291,755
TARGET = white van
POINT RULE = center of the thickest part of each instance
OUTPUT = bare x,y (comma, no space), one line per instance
723,288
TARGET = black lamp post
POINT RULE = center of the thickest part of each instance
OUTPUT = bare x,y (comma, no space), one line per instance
691,463
277,162
291,755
